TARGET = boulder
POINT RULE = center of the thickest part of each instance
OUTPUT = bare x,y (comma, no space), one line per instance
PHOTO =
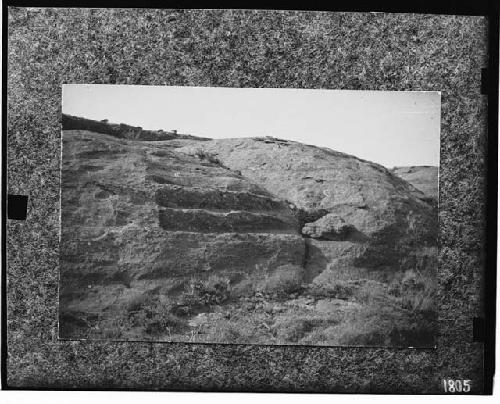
328,227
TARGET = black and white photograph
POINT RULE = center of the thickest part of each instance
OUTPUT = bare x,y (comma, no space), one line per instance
249,215
250,200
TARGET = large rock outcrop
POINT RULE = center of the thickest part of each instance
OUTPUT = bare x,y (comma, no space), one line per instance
140,219
366,215
239,241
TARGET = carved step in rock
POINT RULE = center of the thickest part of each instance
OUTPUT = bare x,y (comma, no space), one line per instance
203,221
213,199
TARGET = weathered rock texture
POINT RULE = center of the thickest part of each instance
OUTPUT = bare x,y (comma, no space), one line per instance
161,239
140,219
424,178
337,197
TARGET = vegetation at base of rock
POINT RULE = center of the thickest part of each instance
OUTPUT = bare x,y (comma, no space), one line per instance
344,313
416,291
282,310
213,290
156,317
283,281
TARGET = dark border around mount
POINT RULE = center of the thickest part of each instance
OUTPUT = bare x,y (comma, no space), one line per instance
450,7
486,8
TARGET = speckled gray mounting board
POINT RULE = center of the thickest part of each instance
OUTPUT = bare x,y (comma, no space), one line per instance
49,47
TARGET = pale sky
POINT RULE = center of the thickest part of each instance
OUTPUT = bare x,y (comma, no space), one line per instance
392,128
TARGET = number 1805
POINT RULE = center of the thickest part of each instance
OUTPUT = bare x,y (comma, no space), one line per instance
456,386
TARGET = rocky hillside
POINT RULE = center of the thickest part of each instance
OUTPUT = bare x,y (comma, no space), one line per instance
256,240
140,220
424,178
356,215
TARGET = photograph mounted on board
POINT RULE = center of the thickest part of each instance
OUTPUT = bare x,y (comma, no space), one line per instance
249,215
